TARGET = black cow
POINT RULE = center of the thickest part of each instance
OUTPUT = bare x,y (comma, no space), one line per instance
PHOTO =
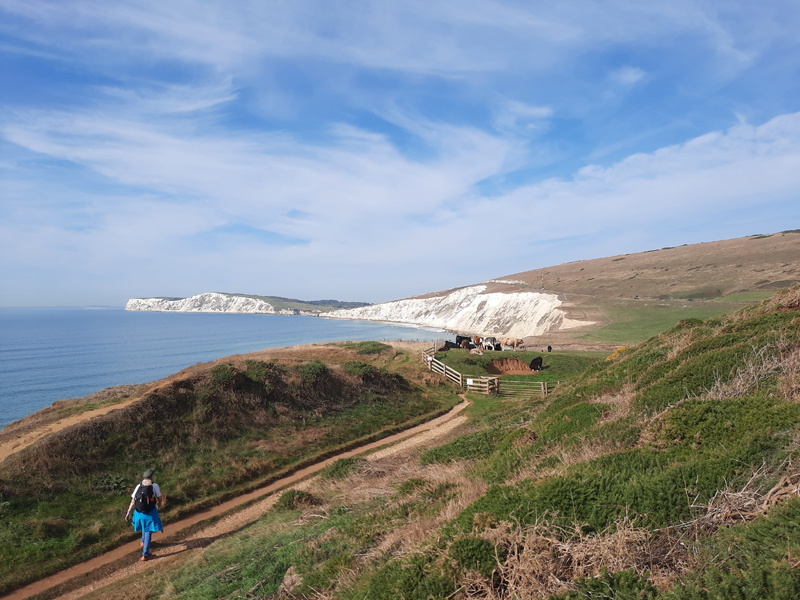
448,344
461,338
536,364
549,348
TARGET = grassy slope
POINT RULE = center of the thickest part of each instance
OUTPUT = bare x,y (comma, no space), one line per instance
223,429
634,321
635,475
716,275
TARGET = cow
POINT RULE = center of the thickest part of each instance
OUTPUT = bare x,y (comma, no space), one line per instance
466,343
461,338
489,343
476,351
512,342
549,348
536,364
476,340
448,344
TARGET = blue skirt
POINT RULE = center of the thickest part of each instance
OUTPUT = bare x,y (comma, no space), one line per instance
147,521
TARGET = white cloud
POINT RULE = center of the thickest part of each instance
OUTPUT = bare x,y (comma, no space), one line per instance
627,75
517,116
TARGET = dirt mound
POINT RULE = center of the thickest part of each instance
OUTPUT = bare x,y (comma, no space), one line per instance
507,366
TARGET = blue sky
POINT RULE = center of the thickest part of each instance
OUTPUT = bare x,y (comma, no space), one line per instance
377,150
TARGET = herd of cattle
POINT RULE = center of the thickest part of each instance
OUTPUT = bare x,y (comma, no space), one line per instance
483,343
478,345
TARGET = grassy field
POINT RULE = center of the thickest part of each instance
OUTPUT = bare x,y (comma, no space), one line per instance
651,475
633,321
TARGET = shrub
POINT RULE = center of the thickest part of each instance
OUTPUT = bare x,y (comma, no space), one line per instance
622,585
222,375
412,579
359,369
313,371
476,554
294,499
367,347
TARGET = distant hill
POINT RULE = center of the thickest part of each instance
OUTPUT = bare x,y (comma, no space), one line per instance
239,303
613,300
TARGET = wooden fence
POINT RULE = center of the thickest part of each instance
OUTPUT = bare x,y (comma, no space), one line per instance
487,385
526,388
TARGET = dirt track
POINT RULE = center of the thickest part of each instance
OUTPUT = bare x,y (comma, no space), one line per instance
176,548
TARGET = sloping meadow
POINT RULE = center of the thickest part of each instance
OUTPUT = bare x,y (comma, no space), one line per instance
622,485
215,433
650,475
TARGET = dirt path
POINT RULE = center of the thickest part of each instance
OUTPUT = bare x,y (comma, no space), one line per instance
175,548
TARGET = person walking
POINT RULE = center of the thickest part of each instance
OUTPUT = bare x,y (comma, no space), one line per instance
145,502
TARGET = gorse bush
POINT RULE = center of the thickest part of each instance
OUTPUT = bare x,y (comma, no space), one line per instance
294,499
368,347
621,585
476,554
312,372
359,369
222,375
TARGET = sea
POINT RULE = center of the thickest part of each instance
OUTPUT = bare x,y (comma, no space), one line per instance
49,354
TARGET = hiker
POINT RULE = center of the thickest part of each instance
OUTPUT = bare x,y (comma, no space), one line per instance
145,500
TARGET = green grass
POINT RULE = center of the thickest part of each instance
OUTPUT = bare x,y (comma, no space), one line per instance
633,322
558,366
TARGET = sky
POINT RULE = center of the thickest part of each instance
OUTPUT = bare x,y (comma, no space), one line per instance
370,151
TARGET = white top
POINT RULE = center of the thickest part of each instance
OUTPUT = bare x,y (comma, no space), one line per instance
156,490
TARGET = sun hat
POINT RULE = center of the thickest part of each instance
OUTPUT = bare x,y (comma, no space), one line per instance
149,473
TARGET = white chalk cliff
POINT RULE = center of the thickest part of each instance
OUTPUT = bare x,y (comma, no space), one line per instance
210,302
469,310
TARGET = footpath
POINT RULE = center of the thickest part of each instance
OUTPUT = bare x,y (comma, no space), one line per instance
122,562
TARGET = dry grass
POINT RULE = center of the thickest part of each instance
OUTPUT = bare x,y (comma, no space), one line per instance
680,344
781,360
789,380
379,479
544,558
786,300
619,404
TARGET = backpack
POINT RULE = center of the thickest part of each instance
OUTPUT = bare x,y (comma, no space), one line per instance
145,499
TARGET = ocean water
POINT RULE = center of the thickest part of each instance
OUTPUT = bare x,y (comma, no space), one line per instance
53,354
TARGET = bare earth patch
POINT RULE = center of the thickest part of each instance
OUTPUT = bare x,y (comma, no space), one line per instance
508,366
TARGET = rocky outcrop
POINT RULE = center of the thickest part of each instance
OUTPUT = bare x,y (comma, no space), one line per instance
210,302
469,310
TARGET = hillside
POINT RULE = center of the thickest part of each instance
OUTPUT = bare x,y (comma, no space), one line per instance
213,431
666,471
615,300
